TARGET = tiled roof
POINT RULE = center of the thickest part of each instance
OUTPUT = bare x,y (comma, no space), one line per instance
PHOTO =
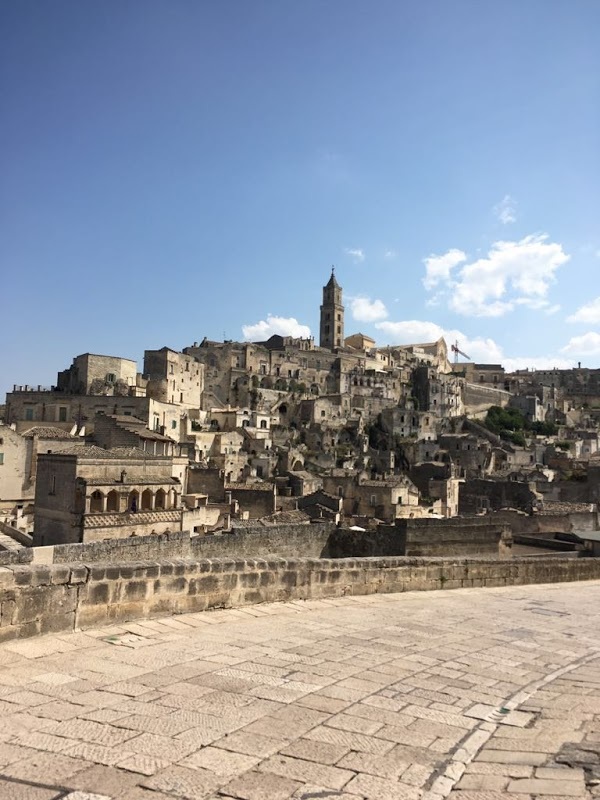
285,518
93,451
138,480
254,487
47,432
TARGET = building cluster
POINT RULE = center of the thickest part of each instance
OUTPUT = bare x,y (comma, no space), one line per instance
285,430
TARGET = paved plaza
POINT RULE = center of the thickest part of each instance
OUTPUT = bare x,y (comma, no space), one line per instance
473,694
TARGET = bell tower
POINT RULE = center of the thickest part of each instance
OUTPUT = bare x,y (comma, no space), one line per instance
332,315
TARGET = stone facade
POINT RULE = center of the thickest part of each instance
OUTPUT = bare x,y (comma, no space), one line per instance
173,377
90,494
28,408
95,374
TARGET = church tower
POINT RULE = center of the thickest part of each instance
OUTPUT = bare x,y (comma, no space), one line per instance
332,315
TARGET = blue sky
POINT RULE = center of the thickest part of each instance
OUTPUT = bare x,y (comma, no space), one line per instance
174,170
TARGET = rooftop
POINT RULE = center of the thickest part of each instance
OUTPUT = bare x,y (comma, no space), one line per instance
48,432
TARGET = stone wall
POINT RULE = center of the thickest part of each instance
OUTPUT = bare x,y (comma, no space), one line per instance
462,536
290,541
258,502
37,599
475,536
478,494
479,398
532,524
137,548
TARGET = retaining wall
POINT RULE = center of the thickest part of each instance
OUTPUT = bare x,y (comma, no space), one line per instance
37,599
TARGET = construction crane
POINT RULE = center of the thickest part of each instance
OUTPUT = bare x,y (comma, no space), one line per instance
457,352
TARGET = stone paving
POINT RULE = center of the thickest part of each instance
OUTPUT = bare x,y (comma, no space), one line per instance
473,694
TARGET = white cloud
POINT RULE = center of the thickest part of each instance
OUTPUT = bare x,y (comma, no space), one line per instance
506,210
588,313
438,268
418,331
390,254
366,310
588,344
512,274
480,350
283,326
358,254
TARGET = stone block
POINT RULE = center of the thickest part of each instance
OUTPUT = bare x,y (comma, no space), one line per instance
60,573
91,616
7,612
97,573
78,574
22,575
7,578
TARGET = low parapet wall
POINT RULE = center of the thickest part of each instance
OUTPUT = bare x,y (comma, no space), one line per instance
459,536
288,541
37,599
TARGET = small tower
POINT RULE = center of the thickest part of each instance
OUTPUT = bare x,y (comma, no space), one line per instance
332,315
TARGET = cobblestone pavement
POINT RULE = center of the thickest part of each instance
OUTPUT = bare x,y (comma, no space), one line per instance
473,694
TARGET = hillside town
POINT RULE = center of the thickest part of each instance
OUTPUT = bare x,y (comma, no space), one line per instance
219,435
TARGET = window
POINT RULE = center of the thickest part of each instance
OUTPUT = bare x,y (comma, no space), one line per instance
373,499
173,423
340,491
29,413
1,459
62,414
52,485
110,377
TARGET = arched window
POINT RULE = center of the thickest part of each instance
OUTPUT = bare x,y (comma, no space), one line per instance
160,499
133,501
147,500
97,502
112,501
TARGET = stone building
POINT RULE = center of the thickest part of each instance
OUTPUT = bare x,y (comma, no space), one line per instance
438,392
488,374
112,430
95,374
386,499
173,377
332,315
27,407
87,494
18,459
